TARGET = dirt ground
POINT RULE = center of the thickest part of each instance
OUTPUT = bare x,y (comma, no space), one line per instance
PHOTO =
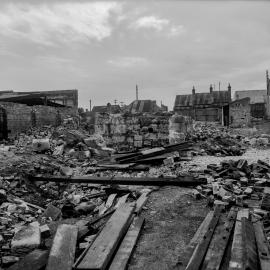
172,218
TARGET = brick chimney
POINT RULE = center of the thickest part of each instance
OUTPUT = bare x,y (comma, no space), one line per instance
193,90
230,92
211,88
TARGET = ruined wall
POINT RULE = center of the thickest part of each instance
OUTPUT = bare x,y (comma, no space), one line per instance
202,113
134,131
240,113
21,117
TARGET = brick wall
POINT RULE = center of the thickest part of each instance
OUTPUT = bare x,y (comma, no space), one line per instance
21,117
240,113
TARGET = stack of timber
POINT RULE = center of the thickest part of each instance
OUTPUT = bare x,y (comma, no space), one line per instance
231,240
154,155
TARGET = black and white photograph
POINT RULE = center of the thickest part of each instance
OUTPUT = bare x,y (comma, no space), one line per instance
134,135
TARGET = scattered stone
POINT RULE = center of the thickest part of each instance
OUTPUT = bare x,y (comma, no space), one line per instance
26,239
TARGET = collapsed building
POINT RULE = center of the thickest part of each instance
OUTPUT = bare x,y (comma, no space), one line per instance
20,111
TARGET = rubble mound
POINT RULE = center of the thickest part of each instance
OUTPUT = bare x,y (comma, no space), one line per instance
217,141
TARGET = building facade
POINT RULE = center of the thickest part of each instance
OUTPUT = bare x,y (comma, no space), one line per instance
212,106
240,112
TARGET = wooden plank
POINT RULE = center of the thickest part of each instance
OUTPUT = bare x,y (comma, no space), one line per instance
63,248
35,260
236,261
104,246
110,200
197,238
121,200
123,254
249,245
141,202
219,242
150,181
201,249
262,246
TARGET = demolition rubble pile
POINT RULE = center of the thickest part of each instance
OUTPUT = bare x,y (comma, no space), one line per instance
217,141
66,192
61,141
236,235
28,231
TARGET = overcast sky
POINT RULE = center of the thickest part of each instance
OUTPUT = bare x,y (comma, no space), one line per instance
104,49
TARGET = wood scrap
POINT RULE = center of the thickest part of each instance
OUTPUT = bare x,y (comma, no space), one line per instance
262,246
198,236
127,246
104,246
215,253
150,181
141,202
236,261
201,249
250,258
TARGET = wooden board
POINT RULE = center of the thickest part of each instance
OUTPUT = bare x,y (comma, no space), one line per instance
121,200
63,248
219,242
141,202
123,254
104,246
35,260
262,245
149,181
236,261
197,237
201,249
249,245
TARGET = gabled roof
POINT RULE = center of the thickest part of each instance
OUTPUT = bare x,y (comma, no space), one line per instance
143,106
216,97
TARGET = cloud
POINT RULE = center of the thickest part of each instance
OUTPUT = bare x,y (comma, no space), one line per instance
150,22
159,24
176,31
124,62
58,22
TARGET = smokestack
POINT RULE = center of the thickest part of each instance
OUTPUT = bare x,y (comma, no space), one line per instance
193,90
137,93
230,91
211,88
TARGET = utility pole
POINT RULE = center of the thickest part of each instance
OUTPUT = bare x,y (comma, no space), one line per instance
115,101
218,86
90,101
137,92
267,83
